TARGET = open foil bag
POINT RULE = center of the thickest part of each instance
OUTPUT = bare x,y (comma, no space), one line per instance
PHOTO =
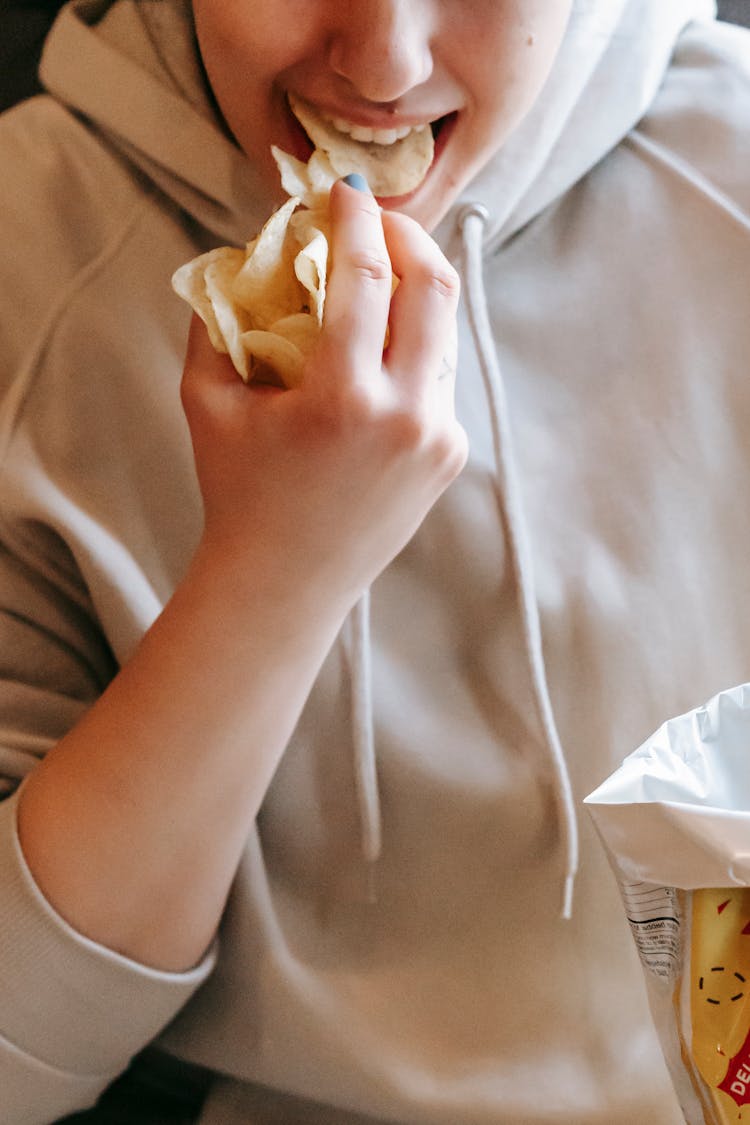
675,822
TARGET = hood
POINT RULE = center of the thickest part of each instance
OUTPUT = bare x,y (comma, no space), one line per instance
159,111
607,73
608,70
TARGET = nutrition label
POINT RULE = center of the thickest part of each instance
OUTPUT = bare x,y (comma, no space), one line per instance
654,917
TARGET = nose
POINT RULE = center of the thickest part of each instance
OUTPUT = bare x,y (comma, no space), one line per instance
382,47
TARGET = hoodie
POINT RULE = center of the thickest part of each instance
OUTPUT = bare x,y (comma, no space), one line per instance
584,578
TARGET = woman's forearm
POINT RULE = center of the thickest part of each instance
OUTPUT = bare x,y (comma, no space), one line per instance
134,824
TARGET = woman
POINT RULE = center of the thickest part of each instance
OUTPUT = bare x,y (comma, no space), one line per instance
378,815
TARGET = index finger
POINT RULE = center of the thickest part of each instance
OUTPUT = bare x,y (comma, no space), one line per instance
208,376
359,288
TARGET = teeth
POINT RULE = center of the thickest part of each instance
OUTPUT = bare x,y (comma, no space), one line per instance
393,161
367,135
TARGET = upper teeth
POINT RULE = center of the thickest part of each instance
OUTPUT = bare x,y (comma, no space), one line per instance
366,134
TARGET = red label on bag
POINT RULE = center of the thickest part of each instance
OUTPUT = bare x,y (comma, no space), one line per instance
737,1081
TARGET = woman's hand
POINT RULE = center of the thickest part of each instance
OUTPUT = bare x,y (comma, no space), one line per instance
324,484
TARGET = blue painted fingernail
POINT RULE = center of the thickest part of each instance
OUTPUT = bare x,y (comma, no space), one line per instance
358,182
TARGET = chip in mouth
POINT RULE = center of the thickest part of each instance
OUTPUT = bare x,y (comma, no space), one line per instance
391,169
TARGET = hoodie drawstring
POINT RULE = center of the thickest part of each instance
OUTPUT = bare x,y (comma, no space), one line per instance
365,773
471,221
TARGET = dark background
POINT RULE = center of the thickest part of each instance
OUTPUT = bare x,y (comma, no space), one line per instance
24,23
738,11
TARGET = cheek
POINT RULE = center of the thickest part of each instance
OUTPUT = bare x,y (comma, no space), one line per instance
253,37
238,47
517,63
545,31
238,56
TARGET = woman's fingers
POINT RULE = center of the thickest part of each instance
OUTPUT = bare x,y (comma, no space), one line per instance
359,288
205,370
422,341
209,379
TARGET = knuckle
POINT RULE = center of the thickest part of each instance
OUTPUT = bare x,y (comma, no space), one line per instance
444,280
341,414
189,397
460,452
450,450
408,430
360,405
371,266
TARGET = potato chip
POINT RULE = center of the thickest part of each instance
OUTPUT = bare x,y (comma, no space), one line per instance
264,305
190,284
300,329
311,182
267,284
390,170
219,276
280,355
311,263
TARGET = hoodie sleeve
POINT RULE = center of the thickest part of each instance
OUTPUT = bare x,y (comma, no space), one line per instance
72,1013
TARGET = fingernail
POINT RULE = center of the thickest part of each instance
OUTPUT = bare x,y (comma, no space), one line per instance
358,182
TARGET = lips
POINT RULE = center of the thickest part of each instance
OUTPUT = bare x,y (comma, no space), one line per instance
394,155
350,120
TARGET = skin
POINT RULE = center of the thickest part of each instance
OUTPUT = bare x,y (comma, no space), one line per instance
308,493
382,63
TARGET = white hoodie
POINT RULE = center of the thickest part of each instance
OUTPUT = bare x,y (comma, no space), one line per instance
588,582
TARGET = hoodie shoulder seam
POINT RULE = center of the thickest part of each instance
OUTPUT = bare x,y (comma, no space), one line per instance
689,175
24,378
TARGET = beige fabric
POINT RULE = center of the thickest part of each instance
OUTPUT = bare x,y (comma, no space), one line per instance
160,36
457,997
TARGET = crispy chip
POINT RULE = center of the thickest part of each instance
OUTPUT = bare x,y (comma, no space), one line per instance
282,356
189,283
390,170
264,305
219,276
300,329
267,285
311,182
311,263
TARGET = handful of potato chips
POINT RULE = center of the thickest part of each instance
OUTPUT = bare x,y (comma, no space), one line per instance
675,822
263,305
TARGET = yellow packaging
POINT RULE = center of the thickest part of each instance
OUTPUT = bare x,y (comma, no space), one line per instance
714,1002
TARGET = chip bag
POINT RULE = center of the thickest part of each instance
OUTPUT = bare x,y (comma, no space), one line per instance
675,822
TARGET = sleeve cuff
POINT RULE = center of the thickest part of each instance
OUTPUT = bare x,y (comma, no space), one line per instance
35,1094
70,1004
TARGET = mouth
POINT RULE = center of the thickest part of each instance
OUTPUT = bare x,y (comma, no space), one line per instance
395,159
